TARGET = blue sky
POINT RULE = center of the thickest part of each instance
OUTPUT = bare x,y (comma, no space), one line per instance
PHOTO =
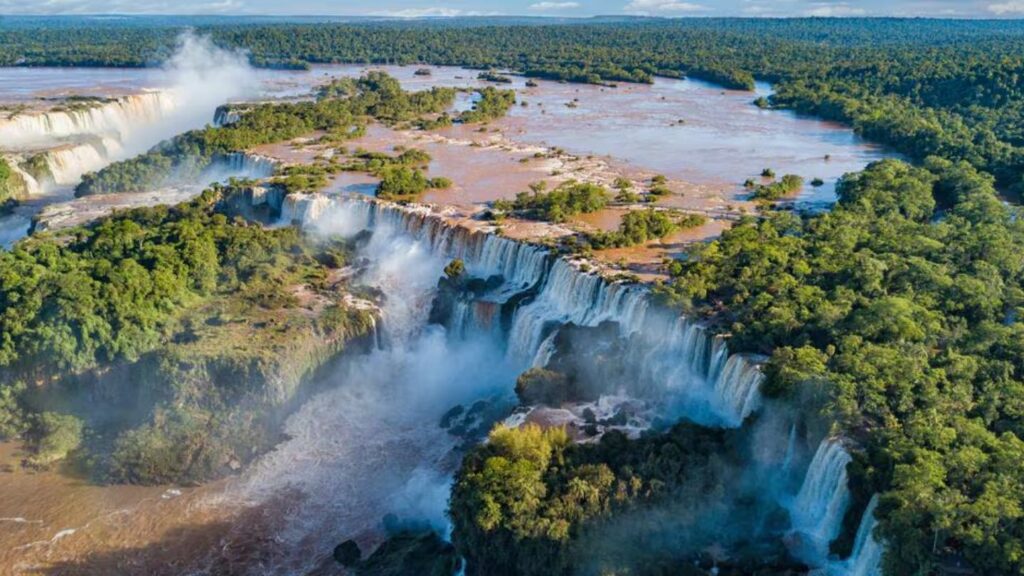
419,8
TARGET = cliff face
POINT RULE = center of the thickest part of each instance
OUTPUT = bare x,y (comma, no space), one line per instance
216,397
15,184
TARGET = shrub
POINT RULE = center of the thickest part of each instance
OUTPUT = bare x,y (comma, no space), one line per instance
567,200
401,181
57,436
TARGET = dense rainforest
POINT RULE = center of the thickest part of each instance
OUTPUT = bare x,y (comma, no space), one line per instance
895,315
158,315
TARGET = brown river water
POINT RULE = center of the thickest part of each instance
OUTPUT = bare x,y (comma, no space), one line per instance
339,470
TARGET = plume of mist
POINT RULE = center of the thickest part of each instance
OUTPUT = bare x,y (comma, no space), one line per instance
203,76
371,445
198,77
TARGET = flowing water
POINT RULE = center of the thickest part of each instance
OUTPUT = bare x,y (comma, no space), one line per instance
370,444
867,550
130,113
819,507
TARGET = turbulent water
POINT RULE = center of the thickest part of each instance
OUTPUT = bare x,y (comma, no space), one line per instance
370,444
819,507
867,550
675,362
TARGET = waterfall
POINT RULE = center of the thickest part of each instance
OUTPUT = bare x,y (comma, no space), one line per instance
521,265
866,559
29,186
818,510
682,356
545,352
303,208
787,461
573,296
249,165
737,386
238,165
68,163
669,355
116,118
226,115
81,137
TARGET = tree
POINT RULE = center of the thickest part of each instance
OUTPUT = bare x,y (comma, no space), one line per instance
455,269
57,436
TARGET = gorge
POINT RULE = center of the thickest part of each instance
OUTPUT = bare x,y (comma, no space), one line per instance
671,362
537,317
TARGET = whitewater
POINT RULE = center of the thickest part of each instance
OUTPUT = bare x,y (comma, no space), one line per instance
371,445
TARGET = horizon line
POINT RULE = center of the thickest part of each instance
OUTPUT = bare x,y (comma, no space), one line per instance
432,17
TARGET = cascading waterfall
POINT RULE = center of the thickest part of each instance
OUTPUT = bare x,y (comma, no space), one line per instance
671,354
817,512
371,445
353,450
251,165
238,165
225,116
787,460
570,295
521,265
304,208
81,139
116,118
866,559
737,386
68,163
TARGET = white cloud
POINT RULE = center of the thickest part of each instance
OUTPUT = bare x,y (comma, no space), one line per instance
47,7
1005,8
554,5
840,9
769,8
647,7
422,13
432,12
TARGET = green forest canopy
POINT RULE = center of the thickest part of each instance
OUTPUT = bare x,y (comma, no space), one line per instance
896,313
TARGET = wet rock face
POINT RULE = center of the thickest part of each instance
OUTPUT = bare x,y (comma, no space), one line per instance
403,554
462,291
591,358
348,553
472,423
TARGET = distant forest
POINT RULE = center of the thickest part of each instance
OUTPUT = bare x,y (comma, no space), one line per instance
925,87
